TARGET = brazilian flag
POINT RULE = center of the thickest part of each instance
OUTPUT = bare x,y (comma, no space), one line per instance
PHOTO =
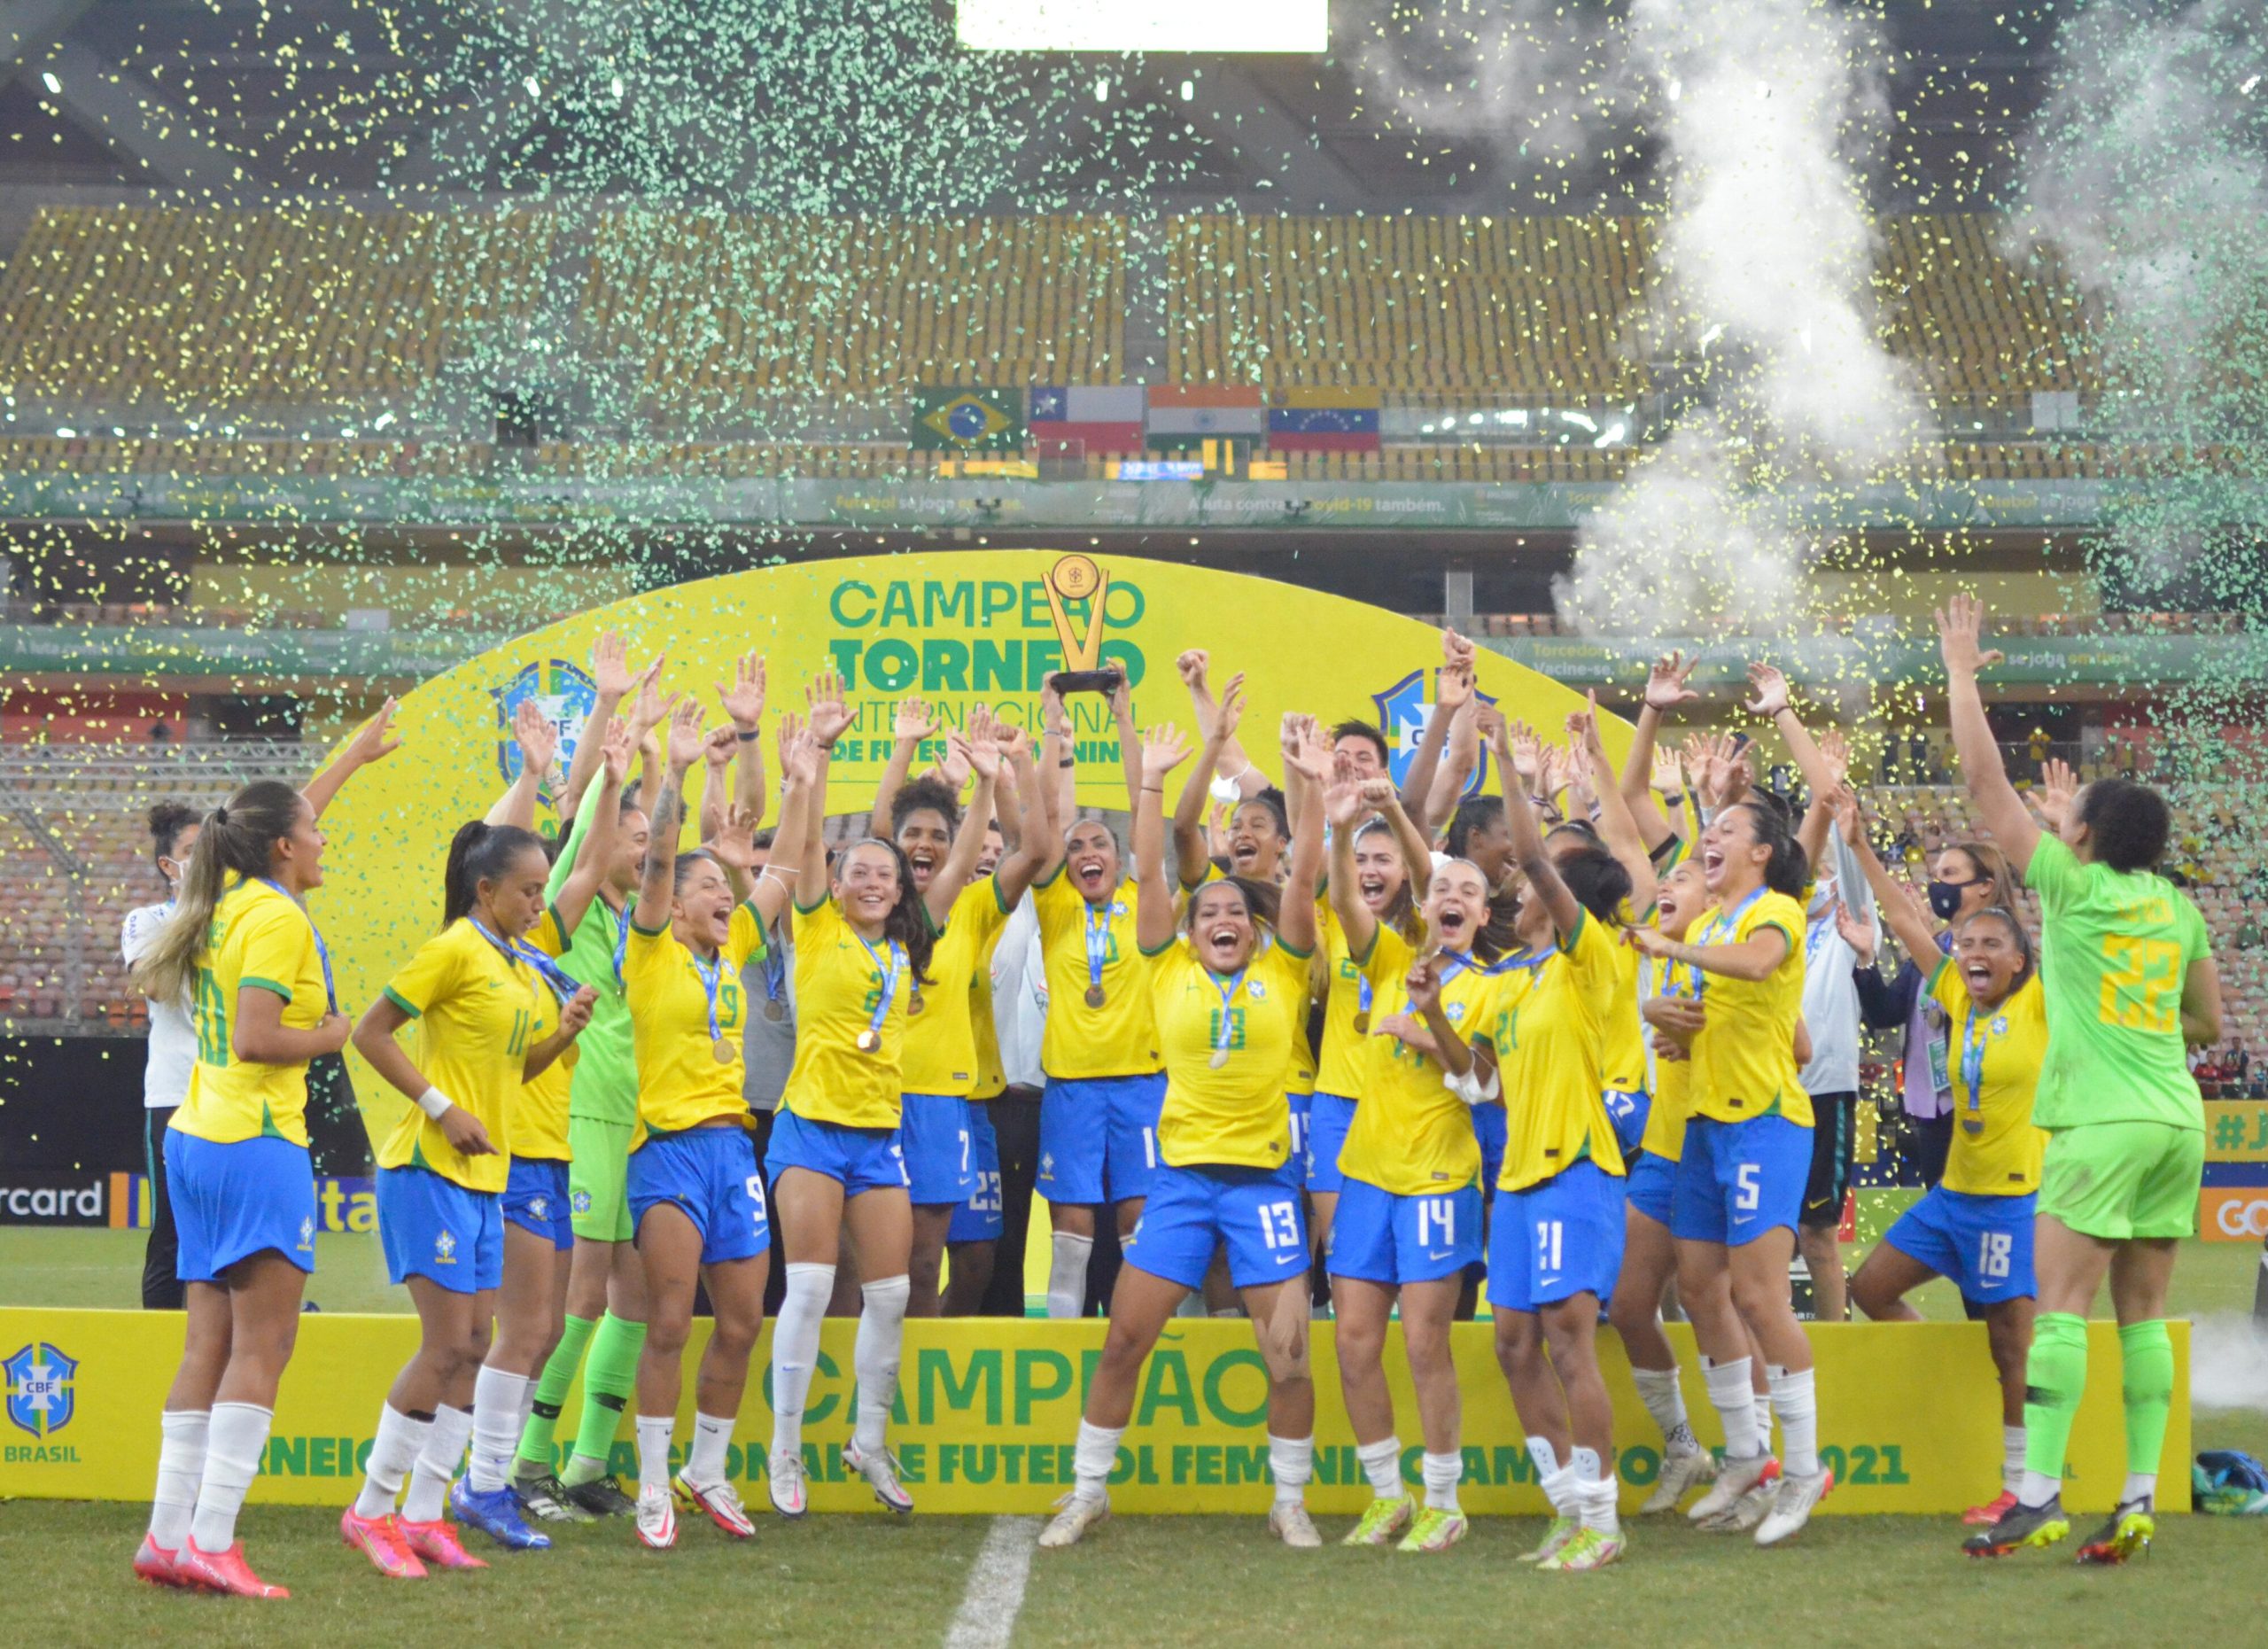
968,420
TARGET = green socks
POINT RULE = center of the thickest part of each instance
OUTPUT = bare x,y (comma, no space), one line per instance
2055,1378
2146,1355
607,1383
551,1392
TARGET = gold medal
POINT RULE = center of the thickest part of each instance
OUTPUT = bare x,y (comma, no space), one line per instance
870,1041
774,1009
1094,996
1361,1022
916,1003
1220,1058
721,1051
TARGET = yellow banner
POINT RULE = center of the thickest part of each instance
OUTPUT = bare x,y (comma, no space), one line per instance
2236,1131
1909,1416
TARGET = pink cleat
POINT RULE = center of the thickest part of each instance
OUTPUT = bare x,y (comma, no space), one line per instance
158,1566
436,1543
380,1540
224,1572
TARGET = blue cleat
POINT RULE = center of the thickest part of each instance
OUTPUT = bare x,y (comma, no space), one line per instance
497,1515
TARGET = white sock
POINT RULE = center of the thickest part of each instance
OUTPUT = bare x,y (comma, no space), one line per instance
1595,1492
1381,1463
399,1441
496,1401
1658,1389
1763,1404
1558,1481
2039,1488
794,1348
2140,1486
654,1451
1443,1472
436,1464
181,1466
704,1460
1291,1461
1728,1395
1094,1458
1795,1398
2012,1458
1565,1492
235,1439
882,1338
1067,1274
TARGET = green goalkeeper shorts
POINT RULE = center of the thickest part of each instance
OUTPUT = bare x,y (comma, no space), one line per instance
2117,1180
598,1179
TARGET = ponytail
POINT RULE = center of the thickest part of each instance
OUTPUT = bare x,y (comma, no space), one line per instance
238,840
479,852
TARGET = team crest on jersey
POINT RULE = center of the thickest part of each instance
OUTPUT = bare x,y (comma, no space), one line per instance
1257,991
444,1249
1999,1025
40,1388
582,1201
563,692
541,1207
1456,1011
307,1235
1402,717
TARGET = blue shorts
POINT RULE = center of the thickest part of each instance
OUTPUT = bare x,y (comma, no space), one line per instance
434,1227
1652,1185
1329,1117
1556,1239
710,1175
932,1134
859,1159
231,1201
1378,1237
1738,1180
1098,1137
1191,1211
535,1199
1984,1244
1302,1107
1627,1111
978,1219
1492,1126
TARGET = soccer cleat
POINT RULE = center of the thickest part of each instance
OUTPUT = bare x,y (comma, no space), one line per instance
1436,1530
1563,1529
544,1497
657,1519
1791,1506
1744,1513
1289,1522
721,1502
2018,1527
2127,1534
601,1497
1074,1517
1982,1516
880,1469
1382,1520
1735,1478
1680,1473
437,1544
380,1539
1590,1549
160,1568
224,1572
495,1513
784,1479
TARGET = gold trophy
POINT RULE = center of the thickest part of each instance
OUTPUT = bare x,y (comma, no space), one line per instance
1076,578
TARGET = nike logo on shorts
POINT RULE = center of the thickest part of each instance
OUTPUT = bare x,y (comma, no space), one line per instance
1443,1254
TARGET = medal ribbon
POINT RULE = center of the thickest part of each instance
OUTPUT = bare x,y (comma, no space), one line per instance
519,950
890,977
1228,988
1972,1062
1098,943
712,978
322,951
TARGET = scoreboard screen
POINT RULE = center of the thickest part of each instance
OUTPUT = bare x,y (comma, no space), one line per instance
1293,26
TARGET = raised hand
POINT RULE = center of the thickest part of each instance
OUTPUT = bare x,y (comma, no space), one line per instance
2058,789
913,720
980,750
716,749
734,842
1424,983
1769,690
685,739
1666,688
1122,698
791,727
610,667
615,751
1844,805
1523,751
1343,794
830,716
1856,934
537,739
1669,773
1230,709
1457,651
744,701
1192,664
1164,748
1308,759
1052,719
652,706
1835,750
1960,628
375,739
799,754
1453,687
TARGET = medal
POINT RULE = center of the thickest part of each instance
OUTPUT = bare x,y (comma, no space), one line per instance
886,978
1097,952
1362,1005
1362,1023
1219,1057
774,1009
1094,996
870,1041
916,1003
721,1051
1228,1024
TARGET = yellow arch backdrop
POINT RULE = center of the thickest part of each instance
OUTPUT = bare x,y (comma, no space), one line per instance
956,627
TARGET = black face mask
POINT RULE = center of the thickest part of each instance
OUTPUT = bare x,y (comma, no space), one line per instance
1945,898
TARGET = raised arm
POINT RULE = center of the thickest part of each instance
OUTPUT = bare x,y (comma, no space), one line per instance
1130,751
611,676
1960,626
373,741
1305,762
648,711
717,748
1026,843
1229,760
538,744
968,842
1457,765
913,724
572,901
1378,796
1342,810
1616,828
1013,786
744,702
830,720
800,823
1059,773
657,883
1452,691
1908,925
1189,843
1543,879
1161,750
1666,691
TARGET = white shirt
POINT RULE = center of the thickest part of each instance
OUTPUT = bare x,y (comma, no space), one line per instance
1830,1000
173,1036
1020,995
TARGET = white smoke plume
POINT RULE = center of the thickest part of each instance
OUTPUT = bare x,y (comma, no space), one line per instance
2228,1362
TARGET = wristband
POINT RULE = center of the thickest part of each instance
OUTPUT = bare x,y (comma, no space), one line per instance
433,1102
750,736
1673,797
1068,761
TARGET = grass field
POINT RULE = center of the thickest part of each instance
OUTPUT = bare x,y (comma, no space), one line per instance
1138,1581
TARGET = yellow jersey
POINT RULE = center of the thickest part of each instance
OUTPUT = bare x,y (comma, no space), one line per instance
682,1083
1410,1135
260,939
1625,1032
1347,997
1551,1042
478,1013
841,983
1664,1135
539,1118
1996,1150
1234,1114
941,1040
1088,948
1743,1061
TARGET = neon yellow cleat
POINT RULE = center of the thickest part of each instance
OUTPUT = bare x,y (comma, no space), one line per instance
2126,1535
1562,1530
1382,1520
1590,1549
1435,1530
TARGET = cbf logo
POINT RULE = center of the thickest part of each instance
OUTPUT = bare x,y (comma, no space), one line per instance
40,1388
1403,709
563,692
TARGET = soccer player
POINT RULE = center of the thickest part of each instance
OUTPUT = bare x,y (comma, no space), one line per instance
172,1052
1976,1225
1407,1224
241,948
2129,980
863,945
972,1238
1746,1157
1229,995
486,1025
695,1202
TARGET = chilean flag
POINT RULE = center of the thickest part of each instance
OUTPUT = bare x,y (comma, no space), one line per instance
1083,420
